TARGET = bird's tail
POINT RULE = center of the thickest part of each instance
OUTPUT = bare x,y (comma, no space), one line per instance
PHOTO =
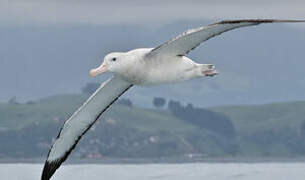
207,70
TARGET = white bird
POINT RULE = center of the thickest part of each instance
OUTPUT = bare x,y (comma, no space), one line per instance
148,66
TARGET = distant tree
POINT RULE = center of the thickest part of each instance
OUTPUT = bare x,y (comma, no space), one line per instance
13,100
125,101
159,102
174,105
90,88
203,118
30,102
189,106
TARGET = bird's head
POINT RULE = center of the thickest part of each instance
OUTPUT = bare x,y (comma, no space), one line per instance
112,63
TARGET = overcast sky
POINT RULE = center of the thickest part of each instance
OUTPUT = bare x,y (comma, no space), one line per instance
143,12
45,44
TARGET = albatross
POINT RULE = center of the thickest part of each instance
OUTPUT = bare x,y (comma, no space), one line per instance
166,63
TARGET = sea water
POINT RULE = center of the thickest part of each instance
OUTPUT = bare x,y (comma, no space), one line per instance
191,171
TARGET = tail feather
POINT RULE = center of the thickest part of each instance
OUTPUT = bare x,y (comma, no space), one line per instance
207,70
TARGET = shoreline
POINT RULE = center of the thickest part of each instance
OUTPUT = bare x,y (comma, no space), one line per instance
161,160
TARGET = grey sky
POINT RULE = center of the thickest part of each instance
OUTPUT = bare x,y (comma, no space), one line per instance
27,49
143,12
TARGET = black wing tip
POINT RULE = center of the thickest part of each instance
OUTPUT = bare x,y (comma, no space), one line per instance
49,169
258,21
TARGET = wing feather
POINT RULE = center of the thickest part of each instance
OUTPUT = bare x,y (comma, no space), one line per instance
192,38
81,121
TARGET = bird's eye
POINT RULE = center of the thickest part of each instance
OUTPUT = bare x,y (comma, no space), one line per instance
113,59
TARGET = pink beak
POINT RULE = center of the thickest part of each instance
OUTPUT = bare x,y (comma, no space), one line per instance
101,69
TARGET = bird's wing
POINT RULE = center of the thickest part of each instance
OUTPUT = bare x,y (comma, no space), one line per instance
192,38
81,121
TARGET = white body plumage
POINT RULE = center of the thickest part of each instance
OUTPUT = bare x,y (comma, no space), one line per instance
141,69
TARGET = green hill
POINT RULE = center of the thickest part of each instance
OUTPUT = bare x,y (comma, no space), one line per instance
276,129
59,108
248,119
123,131
16,116
26,130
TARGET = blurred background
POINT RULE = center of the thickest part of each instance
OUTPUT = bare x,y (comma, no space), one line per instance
253,108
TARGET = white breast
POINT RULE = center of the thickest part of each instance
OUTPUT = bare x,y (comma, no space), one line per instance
168,70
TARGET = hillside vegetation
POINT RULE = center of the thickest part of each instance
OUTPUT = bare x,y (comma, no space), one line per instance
27,130
250,119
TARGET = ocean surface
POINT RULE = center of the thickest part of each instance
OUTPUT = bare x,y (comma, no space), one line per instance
192,171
